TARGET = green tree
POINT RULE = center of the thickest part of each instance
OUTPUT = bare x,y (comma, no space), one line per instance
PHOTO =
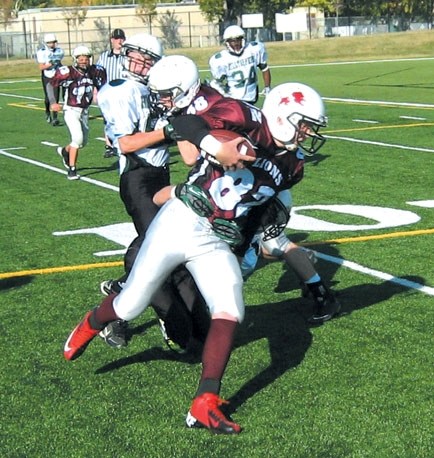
169,24
146,11
227,12
6,10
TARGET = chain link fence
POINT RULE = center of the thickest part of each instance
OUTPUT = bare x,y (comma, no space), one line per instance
176,30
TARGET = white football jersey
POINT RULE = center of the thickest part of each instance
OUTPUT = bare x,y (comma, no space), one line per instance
124,104
54,56
240,71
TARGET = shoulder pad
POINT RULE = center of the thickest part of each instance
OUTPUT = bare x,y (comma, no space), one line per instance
64,70
117,82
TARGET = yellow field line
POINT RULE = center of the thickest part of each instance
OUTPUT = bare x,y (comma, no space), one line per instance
54,270
101,265
391,235
29,107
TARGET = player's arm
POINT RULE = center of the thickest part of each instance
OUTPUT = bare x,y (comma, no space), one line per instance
266,76
138,140
195,129
163,195
189,152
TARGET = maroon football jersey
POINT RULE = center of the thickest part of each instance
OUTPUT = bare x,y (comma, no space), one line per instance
233,193
79,85
227,113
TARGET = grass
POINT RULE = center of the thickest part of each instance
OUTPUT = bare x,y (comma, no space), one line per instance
379,46
359,386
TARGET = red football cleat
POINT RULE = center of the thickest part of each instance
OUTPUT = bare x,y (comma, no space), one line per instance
79,338
205,413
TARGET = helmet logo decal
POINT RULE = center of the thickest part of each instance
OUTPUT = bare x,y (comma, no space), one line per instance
298,97
284,101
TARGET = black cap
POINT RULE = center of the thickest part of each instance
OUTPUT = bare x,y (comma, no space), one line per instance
118,33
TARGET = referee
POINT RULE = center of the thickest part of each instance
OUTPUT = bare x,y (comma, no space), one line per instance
111,60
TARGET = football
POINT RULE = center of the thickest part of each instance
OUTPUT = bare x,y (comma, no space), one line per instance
224,135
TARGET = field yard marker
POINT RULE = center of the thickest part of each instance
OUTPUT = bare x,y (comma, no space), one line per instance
365,120
376,273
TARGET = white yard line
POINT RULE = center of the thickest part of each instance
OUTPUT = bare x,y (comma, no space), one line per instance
376,273
325,64
57,170
380,102
387,145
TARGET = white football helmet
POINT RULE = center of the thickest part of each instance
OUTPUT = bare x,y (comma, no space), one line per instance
145,44
295,112
176,79
81,51
49,38
234,32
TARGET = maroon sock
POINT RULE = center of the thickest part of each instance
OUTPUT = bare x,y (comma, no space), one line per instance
104,313
217,349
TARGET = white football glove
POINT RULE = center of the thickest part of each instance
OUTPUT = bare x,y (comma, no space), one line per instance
162,122
265,91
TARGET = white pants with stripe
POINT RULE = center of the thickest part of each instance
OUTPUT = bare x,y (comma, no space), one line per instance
177,236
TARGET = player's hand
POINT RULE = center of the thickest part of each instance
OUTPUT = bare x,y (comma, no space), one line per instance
229,156
55,107
265,91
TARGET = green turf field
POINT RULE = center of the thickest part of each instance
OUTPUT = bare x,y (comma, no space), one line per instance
359,386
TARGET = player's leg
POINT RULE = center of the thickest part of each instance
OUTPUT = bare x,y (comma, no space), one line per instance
45,81
301,262
73,122
162,250
219,279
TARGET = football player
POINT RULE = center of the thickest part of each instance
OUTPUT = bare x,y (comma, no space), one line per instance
80,79
185,231
49,59
234,69
144,170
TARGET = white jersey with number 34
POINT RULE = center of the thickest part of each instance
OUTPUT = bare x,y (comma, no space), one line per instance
240,71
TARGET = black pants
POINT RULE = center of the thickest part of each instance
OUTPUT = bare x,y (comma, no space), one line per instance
56,90
178,302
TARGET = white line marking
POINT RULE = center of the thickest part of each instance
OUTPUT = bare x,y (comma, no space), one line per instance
388,145
422,203
365,120
63,172
49,144
413,117
324,64
19,81
380,102
376,273
21,96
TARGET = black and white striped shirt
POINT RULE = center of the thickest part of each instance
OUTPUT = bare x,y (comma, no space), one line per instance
112,63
